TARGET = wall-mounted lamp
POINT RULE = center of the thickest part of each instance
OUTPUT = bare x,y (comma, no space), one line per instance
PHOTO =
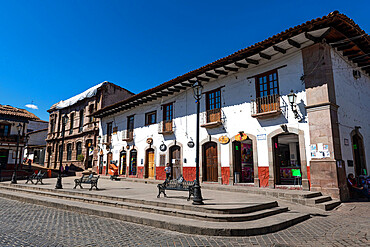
292,97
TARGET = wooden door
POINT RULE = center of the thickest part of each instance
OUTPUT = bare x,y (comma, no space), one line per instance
175,162
109,159
151,163
276,157
211,162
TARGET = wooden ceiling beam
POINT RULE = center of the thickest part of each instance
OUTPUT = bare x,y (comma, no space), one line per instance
180,87
221,72
230,68
241,65
173,90
265,56
335,45
294,43
363,64
252,61
279,49
211,75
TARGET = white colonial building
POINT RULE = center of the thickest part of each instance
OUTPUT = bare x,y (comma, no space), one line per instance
251,132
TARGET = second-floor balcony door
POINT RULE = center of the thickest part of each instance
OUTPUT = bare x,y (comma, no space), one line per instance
267,90
167,117
213,105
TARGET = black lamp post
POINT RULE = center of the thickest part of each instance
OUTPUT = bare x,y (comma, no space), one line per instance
14,177
197,200
59,179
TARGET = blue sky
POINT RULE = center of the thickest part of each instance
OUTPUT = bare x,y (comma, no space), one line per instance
53,50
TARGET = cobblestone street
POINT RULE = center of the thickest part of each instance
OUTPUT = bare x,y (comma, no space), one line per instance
25,224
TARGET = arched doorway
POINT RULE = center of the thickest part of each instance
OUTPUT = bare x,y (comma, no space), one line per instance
243,161
359,155
133,163
286,159
122,162
149,163
175,161
109,161
210,162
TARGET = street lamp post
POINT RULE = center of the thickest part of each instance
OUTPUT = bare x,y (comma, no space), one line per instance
14,177
197,199
59,179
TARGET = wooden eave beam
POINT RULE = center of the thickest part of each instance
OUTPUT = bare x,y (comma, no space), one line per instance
199,78
173,89
360,60
345,47
335,45
265,56
186,84
311,37
279,49
252,61
180,87
242,65
168,92
211,75
221,72
348,53
230,68
294,43
363,64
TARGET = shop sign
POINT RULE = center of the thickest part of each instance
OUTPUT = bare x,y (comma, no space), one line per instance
149,140
261,137
163,147
223,139
191,144
241,137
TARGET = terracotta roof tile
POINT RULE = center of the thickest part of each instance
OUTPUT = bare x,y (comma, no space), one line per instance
17,112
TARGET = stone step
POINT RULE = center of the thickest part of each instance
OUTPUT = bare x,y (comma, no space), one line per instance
272,223
264,211
317,200
328,205
237,209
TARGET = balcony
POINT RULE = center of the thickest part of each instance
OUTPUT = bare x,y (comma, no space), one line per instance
211,118
128,135
166,127
266,107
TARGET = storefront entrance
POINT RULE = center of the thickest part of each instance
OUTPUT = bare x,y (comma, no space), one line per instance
359,155
243,161
287,160
149,163
3,158
175,161
133,162
122,163
210,162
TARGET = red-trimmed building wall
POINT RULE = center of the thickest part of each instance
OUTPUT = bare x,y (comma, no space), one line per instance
263,175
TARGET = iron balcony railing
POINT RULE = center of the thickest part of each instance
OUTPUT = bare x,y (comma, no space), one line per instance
266,104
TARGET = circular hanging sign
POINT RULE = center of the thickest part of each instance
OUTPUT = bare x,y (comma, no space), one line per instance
149,140
163,147
191,144
223,139
241,137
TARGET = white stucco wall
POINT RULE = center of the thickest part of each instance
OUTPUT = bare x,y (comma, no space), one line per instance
353,98
237,93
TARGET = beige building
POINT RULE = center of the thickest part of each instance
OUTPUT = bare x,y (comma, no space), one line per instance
81,129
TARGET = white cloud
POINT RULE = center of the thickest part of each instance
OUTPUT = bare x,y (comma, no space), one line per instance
32,106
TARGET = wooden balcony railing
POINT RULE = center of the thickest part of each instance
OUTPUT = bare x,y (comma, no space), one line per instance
266,106
128,135
211,118
165,127
11,138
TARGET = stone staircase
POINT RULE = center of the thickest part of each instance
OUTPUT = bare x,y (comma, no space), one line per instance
224,219
307,198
